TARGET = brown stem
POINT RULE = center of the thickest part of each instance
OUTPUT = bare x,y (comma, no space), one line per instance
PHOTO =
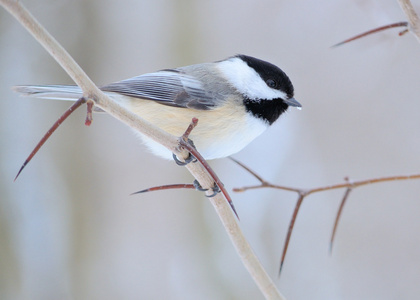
305,192
337,218
53,128
394,25
289,232
166,187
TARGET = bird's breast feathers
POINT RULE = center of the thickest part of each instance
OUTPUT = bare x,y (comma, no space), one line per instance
220,132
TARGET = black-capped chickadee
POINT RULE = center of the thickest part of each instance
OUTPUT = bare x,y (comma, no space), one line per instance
235,100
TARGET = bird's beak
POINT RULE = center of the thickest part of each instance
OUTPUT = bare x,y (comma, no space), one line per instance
292,102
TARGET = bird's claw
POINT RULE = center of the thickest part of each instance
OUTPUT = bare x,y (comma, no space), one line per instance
189,159
215,189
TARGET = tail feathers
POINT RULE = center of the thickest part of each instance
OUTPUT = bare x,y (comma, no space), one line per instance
57,92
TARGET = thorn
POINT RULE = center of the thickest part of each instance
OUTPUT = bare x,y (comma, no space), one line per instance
21,168
234,209
281,267
165,187
399,24
289,232
340,210
53,128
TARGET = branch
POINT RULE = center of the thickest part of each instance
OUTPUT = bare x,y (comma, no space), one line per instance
394,25
413,24
53,128
90,91
413,18
303,193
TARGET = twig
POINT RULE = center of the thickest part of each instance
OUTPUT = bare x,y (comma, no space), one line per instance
166,187
303,193
337,217
413,24
47,135
394,25
289,232
90,91
413,18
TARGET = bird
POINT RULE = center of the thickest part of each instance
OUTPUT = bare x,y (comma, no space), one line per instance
235,100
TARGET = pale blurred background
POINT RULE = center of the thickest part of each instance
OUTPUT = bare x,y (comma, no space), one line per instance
69,228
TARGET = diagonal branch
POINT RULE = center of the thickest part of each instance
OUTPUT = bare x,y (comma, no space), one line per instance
90,91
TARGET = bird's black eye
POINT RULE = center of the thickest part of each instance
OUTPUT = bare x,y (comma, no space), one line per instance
271,83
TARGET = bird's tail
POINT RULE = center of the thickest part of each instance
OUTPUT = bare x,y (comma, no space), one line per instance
57,92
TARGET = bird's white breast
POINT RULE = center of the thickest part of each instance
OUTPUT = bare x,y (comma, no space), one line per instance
220,132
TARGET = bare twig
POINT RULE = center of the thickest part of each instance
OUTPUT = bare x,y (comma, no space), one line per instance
90,91
47,135
413,24
303,193
190,128
166,187
289,232
394,25
337,218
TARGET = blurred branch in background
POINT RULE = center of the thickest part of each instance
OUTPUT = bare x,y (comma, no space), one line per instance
349,185
376,30
413,24
413,18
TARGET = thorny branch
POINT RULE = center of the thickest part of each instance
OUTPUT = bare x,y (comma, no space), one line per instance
91,92
413,24
303,193
394,25
48,134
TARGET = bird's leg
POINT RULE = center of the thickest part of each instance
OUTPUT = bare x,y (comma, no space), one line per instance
185,144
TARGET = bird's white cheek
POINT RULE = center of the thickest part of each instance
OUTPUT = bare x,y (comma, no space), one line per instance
247,81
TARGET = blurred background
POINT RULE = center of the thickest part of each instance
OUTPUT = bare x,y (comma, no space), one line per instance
69,228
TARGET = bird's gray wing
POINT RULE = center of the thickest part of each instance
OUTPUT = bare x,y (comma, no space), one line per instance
170,87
